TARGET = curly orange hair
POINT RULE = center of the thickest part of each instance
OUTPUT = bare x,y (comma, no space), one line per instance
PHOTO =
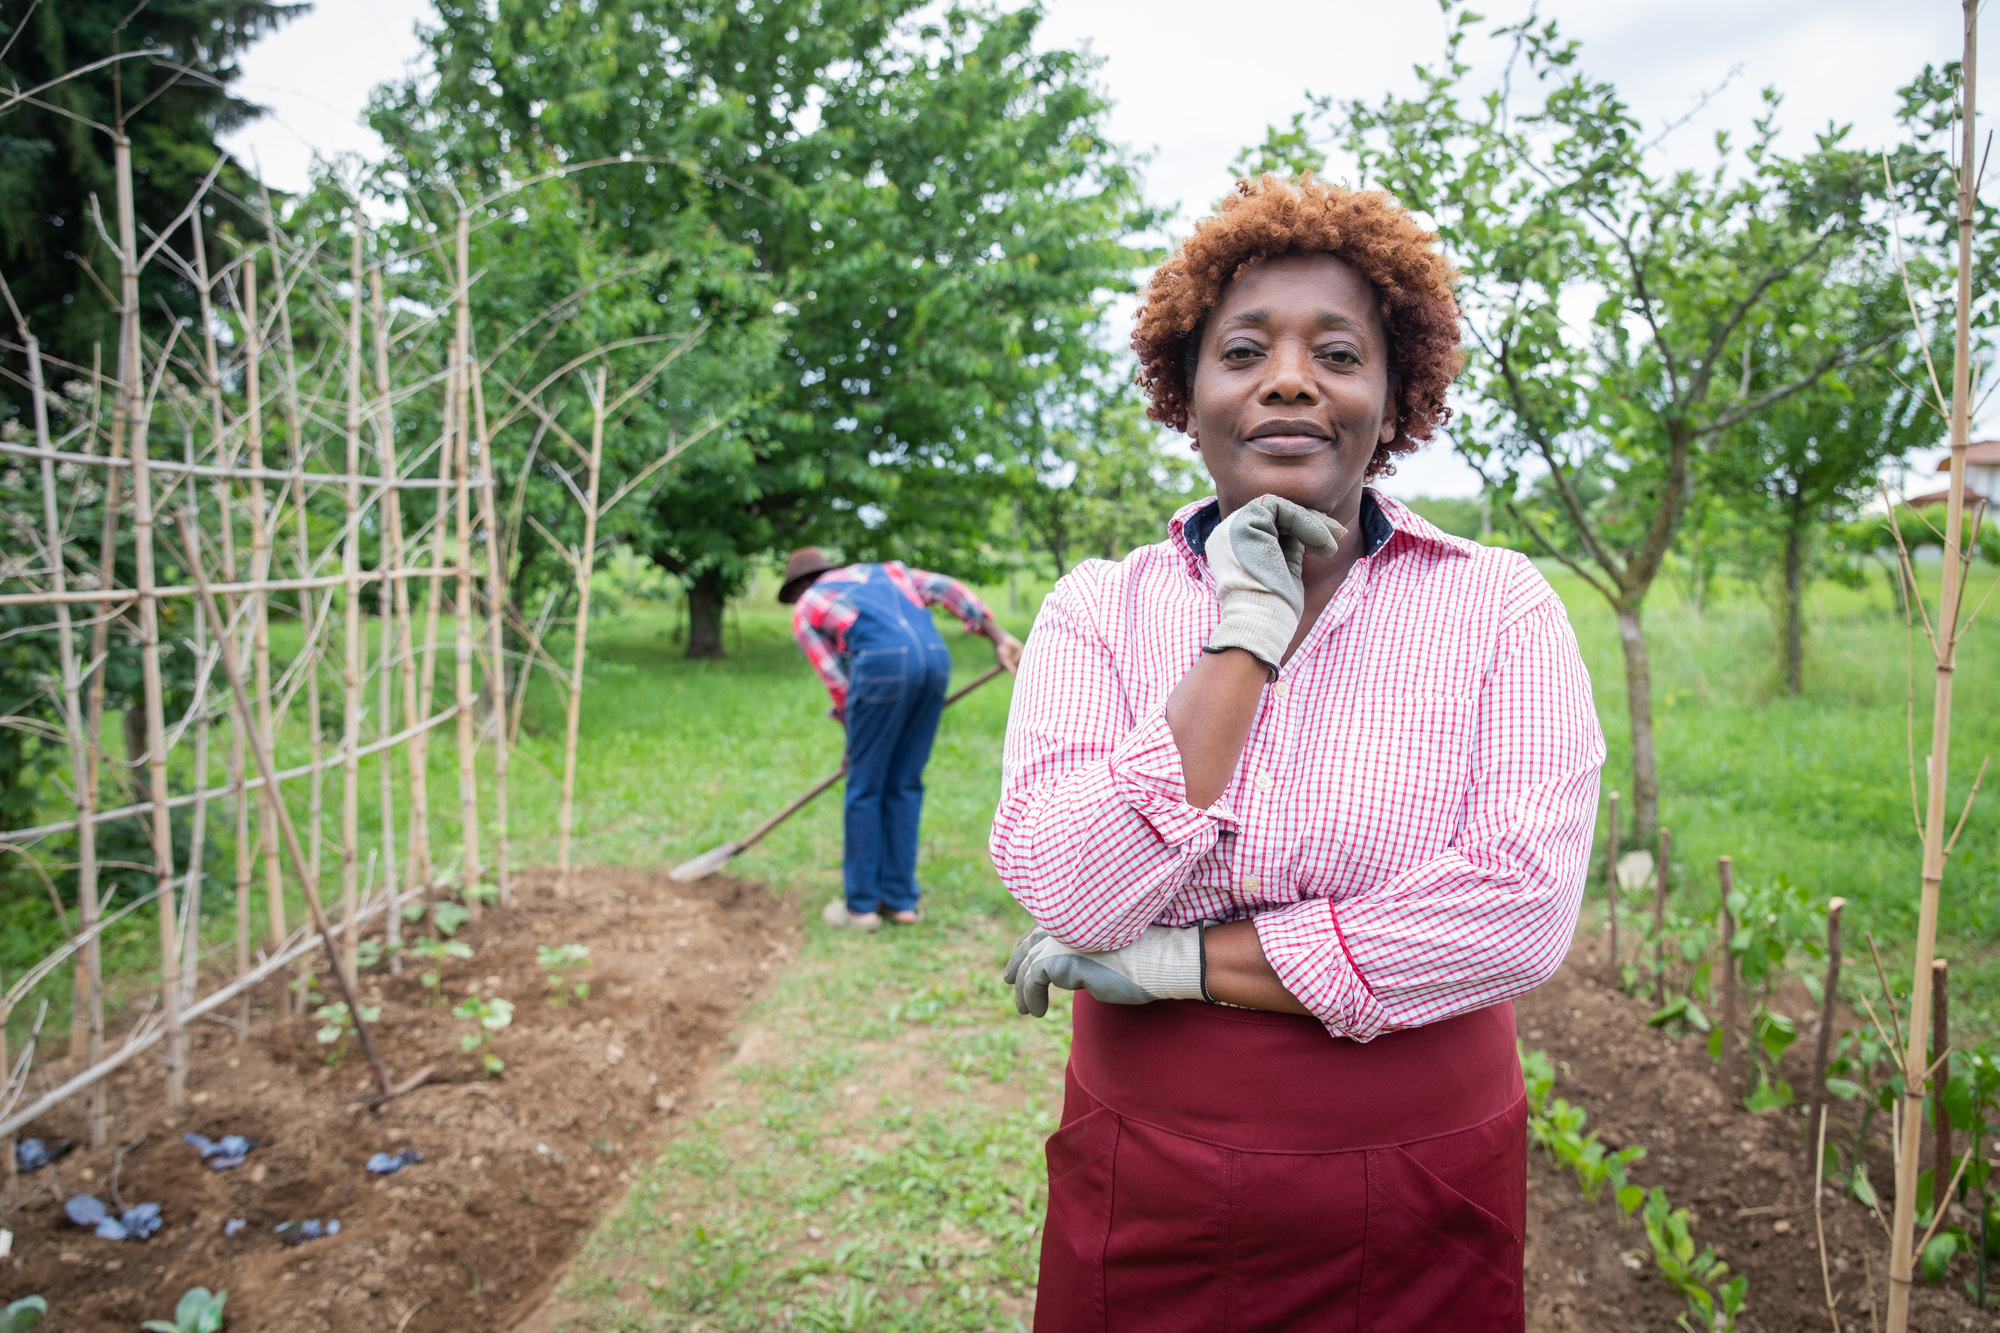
1272,216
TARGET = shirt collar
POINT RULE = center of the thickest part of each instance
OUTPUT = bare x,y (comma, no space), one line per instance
1382,519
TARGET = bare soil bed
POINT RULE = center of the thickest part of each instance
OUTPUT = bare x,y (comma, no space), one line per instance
1747,1180
514,1168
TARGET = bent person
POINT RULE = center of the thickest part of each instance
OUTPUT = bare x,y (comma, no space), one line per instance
867,631
1299,798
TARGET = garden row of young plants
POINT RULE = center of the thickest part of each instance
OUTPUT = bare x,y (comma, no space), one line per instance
1775,933
1714,1299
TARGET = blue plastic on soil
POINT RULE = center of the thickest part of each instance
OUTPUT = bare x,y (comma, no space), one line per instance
388,1164
222,1153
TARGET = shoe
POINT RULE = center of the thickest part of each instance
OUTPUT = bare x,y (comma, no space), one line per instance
835,913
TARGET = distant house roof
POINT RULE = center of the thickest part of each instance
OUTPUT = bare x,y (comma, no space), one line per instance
1980,453
1928,498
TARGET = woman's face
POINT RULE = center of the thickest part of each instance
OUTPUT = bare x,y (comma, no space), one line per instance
1291,385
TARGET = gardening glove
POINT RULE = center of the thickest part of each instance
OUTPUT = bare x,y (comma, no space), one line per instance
1164,963
1256,555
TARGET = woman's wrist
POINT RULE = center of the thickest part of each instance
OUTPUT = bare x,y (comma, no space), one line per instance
1235,971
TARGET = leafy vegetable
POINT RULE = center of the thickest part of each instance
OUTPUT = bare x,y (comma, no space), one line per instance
22,1315
199,1311
135,1223
492,1016
559,963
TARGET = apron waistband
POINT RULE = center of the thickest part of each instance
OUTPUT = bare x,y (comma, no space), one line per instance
1261,1082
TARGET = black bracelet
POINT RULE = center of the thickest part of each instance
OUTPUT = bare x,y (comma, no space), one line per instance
1201,942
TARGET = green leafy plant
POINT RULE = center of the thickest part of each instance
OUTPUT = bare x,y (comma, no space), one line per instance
1557,1128
1714,1299
559,963
199,1311
1771,1035
24,1314
491,1017
446,918
435,952
487,894
337,1027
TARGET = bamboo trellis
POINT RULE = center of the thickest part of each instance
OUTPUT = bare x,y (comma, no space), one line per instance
194,560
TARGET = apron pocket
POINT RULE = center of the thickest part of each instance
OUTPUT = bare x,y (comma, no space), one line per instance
1434,1259
1070,1296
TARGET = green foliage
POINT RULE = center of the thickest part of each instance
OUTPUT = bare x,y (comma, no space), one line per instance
337,1026
1102,481
1557,1128
490,1017
1714,1299
559,963
199,1311
24,1314
435,952
447,917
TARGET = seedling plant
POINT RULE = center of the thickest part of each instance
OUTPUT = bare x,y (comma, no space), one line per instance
559,963
199,1311
490,1017
24,1314
337,1026
434,952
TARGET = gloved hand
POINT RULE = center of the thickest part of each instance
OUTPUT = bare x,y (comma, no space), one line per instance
1256,555
1164,963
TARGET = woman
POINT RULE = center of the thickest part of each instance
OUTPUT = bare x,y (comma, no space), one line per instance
1299,799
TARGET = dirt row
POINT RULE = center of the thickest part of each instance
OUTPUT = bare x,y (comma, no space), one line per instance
514,1169
1746,1178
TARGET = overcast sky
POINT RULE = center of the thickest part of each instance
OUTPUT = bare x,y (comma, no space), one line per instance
1192,83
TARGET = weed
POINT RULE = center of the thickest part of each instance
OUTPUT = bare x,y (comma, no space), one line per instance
490,1017
199,1311
559,963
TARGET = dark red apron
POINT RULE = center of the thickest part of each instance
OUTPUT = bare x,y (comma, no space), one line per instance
1229,1171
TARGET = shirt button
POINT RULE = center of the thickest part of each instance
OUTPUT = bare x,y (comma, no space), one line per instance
1252,883
1263,782
1281,689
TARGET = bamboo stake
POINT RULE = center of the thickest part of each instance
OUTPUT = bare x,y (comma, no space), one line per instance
496,606
87,991
395,608
586,560
1725,874
1902,1259
1941,1053
260,613
149,640
350,659
1823,1043
468,740
1611,894
1660,919
273,797
420,832
190,909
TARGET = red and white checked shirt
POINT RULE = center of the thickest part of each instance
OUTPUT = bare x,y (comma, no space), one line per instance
824,613
1410,823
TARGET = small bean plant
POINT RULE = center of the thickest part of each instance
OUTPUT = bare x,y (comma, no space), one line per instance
199,1311
337,1026
1714,1299
490,1017
24,1314
559,964
434,952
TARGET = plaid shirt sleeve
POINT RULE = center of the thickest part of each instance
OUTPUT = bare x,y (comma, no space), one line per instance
813,626
1094,835
946,591
1492,917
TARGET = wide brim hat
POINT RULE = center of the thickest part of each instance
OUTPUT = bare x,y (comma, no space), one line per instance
801,566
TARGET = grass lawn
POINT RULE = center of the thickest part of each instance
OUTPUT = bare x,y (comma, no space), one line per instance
872,1156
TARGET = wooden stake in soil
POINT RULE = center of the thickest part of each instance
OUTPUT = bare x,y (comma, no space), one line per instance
1725,875
394,607
585,561
496,610
1611,894
275,929
1902,1257
274,797
1823,1043
1660,919
1941,1054
350,655
468,738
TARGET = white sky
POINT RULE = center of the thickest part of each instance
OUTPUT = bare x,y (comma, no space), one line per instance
1194,81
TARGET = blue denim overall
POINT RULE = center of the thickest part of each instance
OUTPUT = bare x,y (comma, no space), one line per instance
897,670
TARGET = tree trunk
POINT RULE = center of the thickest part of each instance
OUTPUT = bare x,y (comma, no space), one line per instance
1793,600
705,602
1639,707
